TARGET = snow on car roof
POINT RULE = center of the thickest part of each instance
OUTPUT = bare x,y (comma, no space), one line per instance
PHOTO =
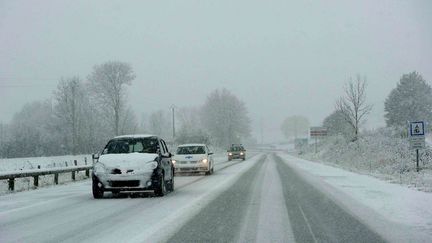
136,136
192,144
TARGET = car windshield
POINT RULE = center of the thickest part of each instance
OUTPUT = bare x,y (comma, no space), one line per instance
236,148
132,145
191,150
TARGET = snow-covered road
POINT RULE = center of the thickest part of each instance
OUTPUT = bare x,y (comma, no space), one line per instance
270,197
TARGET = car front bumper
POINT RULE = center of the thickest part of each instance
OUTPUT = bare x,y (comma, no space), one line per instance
118,182
192,168
237,156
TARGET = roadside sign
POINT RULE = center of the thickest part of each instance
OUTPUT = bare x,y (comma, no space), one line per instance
417,138
417,129
318,132
417,143
417,135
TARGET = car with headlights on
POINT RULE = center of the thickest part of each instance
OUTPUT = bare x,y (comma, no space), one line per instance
236,151
133,163
193,158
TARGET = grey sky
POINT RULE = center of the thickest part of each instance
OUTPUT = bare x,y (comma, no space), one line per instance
280,57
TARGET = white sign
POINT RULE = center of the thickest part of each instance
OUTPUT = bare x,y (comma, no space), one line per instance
417,135
417,129
417,143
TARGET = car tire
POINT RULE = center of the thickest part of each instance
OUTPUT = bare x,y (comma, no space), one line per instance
170,185
209,172
97,191
162,189
244,159
229,159
116,193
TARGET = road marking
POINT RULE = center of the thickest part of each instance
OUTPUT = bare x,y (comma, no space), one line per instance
266,218
274,224
307,223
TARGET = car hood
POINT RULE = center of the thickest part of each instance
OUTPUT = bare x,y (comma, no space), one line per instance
189,157
132,160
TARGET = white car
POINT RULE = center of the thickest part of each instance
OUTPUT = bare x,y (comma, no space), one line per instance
193,158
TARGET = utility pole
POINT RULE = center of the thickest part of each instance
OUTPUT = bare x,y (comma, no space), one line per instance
173,121
1,139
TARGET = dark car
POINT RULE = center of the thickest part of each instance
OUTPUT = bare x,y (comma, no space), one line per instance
134,163
236,151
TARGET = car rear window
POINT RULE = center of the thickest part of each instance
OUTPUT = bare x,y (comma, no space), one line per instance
191,150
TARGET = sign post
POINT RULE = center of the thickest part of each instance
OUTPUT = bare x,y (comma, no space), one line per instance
316,132
417,138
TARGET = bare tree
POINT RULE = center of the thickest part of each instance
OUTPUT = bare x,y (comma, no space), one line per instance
353,105
225,117
70,99
159,123
108,81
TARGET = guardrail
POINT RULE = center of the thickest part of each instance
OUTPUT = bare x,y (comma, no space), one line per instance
10,176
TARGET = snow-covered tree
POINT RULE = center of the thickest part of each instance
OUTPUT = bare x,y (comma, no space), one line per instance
336,124
32,132
107,82
71,102
190,129
295,126
159,123
128,124
352,105
410,100
225,117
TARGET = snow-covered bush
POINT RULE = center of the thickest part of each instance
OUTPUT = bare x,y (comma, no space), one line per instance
378,152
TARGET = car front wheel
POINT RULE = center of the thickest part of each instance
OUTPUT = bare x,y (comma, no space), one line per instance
98,192
162,189
170,185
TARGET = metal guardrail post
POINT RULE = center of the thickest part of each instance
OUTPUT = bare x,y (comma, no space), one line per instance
73,175
56,178
88,173
11,184
36,181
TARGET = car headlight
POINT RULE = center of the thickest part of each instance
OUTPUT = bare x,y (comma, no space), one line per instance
99,168
174,161
241,153
229,154
152,165
204,161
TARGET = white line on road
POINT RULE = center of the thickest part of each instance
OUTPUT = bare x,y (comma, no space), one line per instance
307,223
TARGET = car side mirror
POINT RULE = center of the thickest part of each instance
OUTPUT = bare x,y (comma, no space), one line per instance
95,158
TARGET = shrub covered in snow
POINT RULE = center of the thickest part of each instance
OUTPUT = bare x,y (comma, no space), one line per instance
382,153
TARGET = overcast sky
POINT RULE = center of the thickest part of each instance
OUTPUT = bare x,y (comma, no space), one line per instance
281,58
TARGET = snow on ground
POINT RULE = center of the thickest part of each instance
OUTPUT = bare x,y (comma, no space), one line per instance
408,210
32,163
28,164
69,213
43,162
